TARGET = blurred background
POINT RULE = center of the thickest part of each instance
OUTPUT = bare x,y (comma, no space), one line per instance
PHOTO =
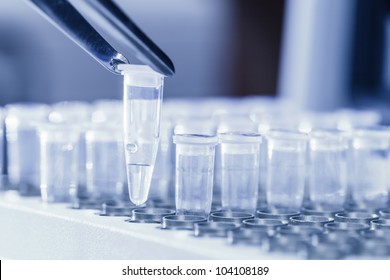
320,54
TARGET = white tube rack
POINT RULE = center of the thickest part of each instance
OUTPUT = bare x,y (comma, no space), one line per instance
30,229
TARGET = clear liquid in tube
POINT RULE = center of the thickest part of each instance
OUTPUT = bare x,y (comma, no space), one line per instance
139,177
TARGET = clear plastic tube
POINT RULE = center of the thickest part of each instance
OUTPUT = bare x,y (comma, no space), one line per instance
58,162
240,154
228,123
75,112
143,92
194,173
105,161
369,166
269,120
327,176
286,168
23,144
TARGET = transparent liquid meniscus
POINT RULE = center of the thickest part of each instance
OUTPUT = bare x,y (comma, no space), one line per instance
141,138
139,177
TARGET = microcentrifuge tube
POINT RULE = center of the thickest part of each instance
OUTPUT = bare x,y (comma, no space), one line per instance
58,161
327,176
286,168
143,91
368,161
240,154
74,112
104,161
23,144
194,173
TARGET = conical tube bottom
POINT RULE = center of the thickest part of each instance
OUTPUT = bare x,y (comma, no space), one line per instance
139,178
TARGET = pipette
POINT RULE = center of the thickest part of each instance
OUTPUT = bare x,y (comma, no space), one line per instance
109,17
143,85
